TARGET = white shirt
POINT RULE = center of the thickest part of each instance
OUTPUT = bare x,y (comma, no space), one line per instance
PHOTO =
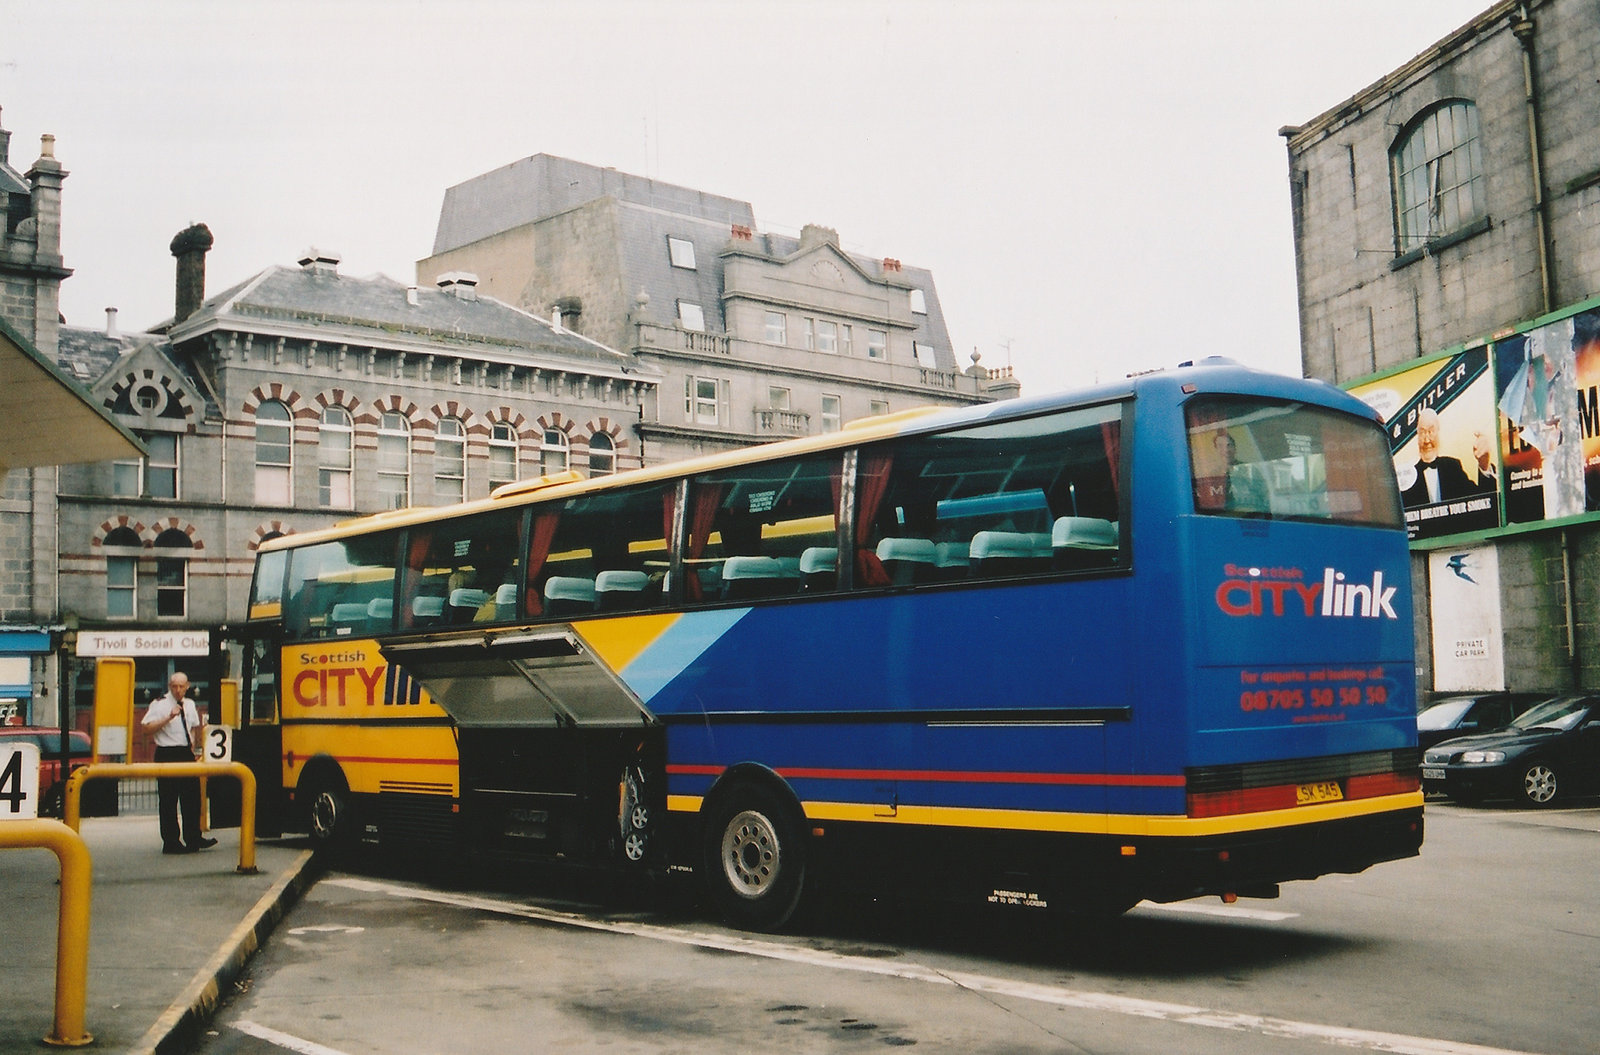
172,734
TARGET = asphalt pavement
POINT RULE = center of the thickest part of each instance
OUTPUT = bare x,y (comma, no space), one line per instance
169,934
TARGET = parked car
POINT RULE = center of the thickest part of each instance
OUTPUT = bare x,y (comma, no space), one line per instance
52,782
1456,716
1548,752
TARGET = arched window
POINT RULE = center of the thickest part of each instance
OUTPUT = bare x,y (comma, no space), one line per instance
274,454
553,456
602,455
122,548
173,549
394,460
502,454
1437,168
450,461
335,460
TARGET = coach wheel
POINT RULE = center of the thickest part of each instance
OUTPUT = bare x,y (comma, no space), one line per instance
1539,784
634,817
331,815
755,860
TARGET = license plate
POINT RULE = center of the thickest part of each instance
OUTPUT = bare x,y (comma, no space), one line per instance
1323,791
1433,774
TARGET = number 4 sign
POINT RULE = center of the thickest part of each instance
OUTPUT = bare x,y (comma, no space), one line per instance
19,781
218,744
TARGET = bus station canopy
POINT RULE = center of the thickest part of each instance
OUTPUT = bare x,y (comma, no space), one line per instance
49,419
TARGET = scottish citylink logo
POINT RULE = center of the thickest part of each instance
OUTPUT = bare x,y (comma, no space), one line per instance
1274,592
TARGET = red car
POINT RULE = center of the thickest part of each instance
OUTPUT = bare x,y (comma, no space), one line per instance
52,782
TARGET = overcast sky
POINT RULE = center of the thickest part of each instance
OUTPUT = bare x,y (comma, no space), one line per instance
1096,187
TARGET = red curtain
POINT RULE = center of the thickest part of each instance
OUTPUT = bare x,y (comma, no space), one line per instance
872,483
704,502
1111,436
539,541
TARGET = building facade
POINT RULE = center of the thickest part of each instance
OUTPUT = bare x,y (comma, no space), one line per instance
1447,244
299,398
764,336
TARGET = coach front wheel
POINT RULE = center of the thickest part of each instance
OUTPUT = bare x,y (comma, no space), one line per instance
755,858
331,814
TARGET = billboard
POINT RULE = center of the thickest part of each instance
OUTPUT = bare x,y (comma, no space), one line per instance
1502,433
1547,379
1440,419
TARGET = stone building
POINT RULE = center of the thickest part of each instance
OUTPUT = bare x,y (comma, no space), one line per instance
50,419
1447,243
764,336
301,397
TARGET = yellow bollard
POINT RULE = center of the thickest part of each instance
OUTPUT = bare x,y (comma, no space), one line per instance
72,810
72,922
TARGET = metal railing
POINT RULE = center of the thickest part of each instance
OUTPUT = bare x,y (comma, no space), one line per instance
72,810
72,922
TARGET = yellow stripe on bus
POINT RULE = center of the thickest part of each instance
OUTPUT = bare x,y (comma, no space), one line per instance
1152,825
619,642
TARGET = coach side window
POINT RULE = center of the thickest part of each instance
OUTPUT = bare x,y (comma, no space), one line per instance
462,570
763,530
601,552
343,588
1014,498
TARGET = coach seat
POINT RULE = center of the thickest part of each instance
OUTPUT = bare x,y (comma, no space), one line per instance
618,590
568,595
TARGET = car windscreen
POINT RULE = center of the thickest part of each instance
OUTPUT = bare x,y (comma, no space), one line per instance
1562,714
1442,715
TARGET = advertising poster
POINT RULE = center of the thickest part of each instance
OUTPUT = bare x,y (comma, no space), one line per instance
1440,419
1546,380
1464,588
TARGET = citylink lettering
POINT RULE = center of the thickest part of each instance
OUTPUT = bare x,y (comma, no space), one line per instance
1277,591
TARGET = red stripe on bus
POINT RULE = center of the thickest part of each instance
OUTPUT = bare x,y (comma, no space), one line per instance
395,761
956,776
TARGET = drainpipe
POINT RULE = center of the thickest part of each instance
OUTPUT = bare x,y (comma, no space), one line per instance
1569,600
1523,29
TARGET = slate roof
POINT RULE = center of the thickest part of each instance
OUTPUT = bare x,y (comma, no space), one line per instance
544,185
87,354
376,310
648,212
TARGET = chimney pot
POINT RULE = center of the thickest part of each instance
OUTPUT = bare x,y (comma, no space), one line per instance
190,246
111,322
461,284
314,259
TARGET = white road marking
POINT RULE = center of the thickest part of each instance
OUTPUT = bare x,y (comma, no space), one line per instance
284,1040
1194,908
326,928
1362,1039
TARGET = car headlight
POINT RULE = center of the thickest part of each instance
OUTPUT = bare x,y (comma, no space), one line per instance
1480,757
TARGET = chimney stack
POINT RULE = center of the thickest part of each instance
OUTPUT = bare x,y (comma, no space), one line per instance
111,322
190,246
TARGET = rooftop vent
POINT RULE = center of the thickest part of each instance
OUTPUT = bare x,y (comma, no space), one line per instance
462,284
316,260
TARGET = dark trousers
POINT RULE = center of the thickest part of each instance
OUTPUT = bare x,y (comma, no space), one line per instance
178,795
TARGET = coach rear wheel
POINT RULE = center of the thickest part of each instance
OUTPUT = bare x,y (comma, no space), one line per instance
1539,784
755,860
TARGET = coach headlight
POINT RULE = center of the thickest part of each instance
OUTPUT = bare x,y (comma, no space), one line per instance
1475,758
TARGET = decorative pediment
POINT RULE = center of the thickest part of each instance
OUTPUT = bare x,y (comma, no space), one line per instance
145,388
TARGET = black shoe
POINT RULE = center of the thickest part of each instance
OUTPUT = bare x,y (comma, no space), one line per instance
202,843
179,849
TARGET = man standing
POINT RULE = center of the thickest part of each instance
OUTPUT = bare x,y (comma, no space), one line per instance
177,728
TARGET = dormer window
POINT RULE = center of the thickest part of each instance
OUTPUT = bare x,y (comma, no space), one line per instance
681,252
